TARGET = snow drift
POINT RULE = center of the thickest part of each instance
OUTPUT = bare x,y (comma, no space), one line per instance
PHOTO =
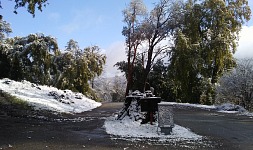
48,98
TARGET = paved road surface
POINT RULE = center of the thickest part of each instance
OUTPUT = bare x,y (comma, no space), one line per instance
221,131
231,130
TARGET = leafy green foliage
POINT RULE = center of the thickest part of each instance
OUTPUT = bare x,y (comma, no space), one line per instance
30,58
159,81
14,101
95,61
31,5
205,34
5,29
184,70
76,67
36,58
204,47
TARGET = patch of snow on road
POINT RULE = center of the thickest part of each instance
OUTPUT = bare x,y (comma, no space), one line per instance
48,98
134,130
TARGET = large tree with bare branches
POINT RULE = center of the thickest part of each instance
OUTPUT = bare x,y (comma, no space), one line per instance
147,35
133,16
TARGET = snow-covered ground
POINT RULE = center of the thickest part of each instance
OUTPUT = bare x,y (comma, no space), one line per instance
48,98
129,129
134,131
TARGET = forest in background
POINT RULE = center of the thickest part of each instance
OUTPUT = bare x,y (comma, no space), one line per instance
184,49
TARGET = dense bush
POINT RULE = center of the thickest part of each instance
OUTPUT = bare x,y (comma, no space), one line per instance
37,58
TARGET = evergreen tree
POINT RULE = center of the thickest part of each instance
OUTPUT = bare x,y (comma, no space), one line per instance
159,81
184,70
5,29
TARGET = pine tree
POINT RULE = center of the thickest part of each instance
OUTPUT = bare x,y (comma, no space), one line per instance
5,29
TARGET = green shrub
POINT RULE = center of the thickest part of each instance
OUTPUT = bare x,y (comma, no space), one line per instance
13,100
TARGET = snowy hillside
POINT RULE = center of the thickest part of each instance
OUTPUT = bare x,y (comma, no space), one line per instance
48,98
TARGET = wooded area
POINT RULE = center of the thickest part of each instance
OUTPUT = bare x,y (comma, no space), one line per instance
182,49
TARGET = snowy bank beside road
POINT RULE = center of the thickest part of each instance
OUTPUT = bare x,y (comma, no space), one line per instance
48,98
193,105
223,108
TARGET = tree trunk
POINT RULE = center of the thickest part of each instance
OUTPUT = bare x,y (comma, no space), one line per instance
130,68
148,68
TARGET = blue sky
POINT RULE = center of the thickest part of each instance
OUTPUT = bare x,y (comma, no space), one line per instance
89,22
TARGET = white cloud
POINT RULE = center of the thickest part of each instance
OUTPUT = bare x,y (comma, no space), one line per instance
117,52
114,53
82,20
55,17
70,27
245,48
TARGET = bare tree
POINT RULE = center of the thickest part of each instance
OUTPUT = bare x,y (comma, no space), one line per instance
148,34
159,27
237,85
133,16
